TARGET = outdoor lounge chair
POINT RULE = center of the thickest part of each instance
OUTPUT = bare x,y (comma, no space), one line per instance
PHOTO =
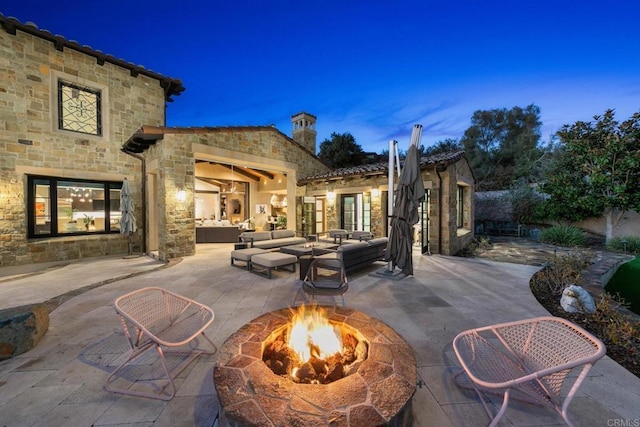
325,278
533,356
158,321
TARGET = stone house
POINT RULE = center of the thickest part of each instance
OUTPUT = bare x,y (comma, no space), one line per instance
357,199
65,110
75,122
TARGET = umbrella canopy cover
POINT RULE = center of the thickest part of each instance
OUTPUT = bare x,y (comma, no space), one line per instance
409,195
127,219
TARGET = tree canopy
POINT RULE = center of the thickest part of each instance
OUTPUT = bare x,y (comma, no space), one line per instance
503,146
341,151
598,170
445,146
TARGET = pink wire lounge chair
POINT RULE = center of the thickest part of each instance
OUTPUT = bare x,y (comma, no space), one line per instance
157,320
532,356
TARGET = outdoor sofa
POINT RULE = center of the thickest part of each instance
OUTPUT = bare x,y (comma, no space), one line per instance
340,236
358,254
270,239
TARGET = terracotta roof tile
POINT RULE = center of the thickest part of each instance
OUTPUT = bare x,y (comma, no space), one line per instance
382,168
11,25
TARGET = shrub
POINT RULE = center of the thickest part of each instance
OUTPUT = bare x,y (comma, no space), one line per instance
476,246
629,244
619,333
525,202
562,271
563,236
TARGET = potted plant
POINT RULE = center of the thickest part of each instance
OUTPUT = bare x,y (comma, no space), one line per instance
88,220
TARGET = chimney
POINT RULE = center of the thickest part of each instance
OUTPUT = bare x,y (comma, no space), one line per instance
304,130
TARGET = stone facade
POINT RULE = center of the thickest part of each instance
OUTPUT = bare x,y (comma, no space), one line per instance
32,144
441,177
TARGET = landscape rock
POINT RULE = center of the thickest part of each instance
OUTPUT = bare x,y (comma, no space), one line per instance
576,299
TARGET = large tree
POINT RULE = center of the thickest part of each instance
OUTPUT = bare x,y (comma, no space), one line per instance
503,146
444,146
341,151
598,170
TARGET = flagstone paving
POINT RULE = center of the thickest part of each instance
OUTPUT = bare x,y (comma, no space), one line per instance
60,382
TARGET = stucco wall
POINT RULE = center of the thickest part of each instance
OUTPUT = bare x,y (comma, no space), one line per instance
628,225
31,144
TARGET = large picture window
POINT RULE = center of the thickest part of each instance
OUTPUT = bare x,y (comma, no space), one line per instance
60,206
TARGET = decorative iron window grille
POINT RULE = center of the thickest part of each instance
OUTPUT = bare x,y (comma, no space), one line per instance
79,108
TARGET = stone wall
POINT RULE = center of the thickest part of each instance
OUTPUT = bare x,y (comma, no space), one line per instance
31,144
454,238
172,159
21,328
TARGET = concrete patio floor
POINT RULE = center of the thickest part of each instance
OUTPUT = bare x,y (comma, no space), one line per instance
60,382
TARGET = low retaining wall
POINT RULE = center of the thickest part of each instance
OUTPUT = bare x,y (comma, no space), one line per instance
21,328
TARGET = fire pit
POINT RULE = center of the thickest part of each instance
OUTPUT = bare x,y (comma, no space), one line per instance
373,385
311,349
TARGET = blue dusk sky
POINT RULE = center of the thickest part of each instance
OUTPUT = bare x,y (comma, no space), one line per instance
371,68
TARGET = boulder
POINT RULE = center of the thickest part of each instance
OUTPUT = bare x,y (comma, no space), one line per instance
21,328
576,299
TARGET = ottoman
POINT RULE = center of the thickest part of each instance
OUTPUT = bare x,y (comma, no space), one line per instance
270,260
245,255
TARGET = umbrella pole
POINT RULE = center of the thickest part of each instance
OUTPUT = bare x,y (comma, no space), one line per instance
392,156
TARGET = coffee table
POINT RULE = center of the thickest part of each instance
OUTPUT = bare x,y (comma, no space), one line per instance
314,248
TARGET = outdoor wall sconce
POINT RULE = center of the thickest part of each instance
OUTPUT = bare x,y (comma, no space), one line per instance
331,196
181,196
375,192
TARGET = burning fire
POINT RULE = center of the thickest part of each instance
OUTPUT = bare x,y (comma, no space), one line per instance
311,350
312,335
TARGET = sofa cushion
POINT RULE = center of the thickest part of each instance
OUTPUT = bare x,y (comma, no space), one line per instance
378,241
281,234
276,243
361,235
349,247
255,235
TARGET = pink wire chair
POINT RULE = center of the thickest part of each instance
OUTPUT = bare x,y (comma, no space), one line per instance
156,319
533,356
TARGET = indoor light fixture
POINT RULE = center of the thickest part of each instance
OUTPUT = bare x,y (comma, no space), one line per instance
375,192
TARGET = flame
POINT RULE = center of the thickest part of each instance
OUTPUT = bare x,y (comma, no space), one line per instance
312,335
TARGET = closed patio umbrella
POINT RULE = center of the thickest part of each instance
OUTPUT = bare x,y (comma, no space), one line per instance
127,219
409,195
